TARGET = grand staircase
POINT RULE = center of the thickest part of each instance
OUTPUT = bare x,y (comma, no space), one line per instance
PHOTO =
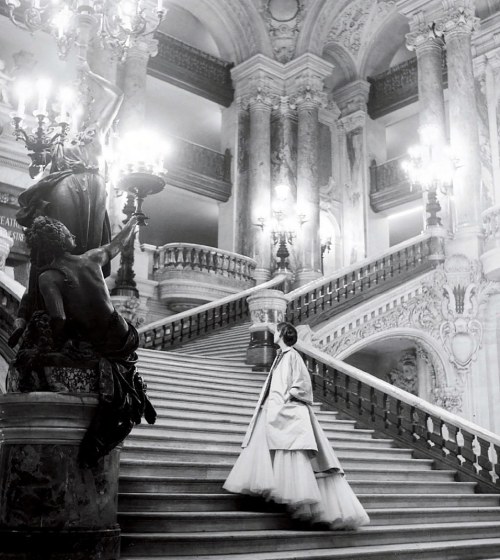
172,504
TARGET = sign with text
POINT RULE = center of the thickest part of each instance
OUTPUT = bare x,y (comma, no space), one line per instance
8,209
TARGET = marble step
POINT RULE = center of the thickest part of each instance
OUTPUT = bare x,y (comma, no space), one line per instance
217,443
185,396
203,387
452,550
371,470
240,542
157,501
218,368
186,522
233,434
164,375
382,489
229,433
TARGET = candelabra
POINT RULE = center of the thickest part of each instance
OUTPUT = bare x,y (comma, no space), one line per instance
431,167
114,22
136,165
48,132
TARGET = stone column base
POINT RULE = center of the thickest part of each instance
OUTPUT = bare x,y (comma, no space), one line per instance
50,507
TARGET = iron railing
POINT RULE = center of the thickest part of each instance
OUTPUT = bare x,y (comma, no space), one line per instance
318,301
450,440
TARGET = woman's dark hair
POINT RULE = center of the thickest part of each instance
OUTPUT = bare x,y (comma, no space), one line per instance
288,333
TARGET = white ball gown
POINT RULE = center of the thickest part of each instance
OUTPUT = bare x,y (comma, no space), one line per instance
287,457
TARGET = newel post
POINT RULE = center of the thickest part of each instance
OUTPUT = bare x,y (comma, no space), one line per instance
267,306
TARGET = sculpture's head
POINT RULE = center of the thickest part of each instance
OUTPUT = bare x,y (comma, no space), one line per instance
49,237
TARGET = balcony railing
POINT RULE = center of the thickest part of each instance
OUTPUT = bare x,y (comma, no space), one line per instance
320,300
389,185
396,88
191,257
449,439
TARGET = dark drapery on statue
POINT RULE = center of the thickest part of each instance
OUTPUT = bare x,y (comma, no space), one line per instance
74,193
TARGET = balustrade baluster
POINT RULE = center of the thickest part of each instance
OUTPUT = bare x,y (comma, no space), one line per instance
315,300
335,380
373,404
450,447
497,465
347,391
486,466
385,407
399,417
467,451
359,392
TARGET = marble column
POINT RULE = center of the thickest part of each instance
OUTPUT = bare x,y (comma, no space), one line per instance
309,258
259,184
352,100
134,77
429,50
456,27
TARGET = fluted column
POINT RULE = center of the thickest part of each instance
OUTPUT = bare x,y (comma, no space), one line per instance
259,184
309,258
456,27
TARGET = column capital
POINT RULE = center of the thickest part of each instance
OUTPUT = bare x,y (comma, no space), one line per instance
354,120
352,97
458,18
260,99
422,36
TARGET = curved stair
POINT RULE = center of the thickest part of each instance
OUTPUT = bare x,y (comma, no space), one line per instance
172,505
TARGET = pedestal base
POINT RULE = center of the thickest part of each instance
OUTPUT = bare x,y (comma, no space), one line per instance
50,507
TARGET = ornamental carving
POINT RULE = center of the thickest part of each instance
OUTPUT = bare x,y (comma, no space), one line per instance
461,332
284,20
356,23
202,160
405,375
458,19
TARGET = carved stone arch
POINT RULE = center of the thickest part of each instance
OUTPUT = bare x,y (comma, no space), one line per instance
236,27
444,369
317,24
388,36
345,70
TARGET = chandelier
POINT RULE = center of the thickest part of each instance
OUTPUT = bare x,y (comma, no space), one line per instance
114,22
431,166
51,124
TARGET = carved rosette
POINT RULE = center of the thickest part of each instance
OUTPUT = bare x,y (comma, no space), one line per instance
266,306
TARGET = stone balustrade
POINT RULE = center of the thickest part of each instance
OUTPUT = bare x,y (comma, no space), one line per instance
190,275
389,185
491,253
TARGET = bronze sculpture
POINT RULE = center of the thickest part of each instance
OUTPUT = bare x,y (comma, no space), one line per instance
76,325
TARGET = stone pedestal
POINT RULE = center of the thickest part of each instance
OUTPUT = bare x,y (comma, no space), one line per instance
266,307
50,507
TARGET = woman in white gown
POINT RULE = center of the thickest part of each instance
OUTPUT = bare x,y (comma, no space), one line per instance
286,455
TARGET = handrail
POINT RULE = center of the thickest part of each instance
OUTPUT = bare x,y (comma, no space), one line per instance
173,330
442,435
322,298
